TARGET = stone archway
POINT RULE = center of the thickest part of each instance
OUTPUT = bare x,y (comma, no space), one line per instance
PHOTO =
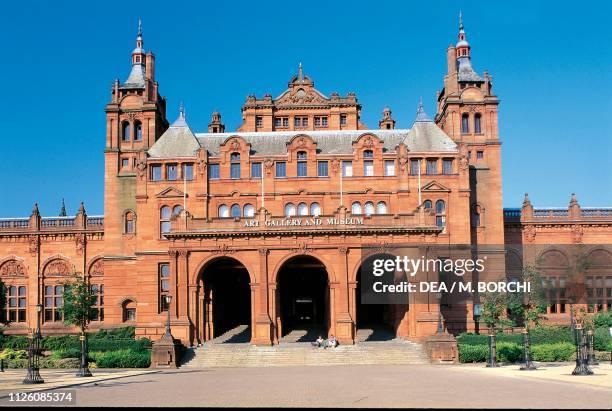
378,317
302,300
224,301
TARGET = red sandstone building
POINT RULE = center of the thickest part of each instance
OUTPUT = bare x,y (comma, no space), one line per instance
268,226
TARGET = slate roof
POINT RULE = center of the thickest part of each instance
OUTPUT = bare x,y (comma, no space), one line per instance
465,70
180,141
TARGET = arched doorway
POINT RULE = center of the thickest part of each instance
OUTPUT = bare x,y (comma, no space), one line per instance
225,301
378,316
302,300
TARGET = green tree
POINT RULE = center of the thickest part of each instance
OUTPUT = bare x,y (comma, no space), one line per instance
78,310
4,319
494,311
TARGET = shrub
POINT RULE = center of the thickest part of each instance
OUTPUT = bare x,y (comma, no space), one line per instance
603,319
122,359
602,341
69,353
553,352
15,342
509,352
473,353
11,354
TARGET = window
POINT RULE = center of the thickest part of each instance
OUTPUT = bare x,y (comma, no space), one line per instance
368,154
289,210
302,155
465,123
130,223
368,168
479,155
356,208
255,170
164,220
54,300
427,204
300,121
477,128
315,209
97,290
389,167
302,169
277,122
347,168
258,121
248,210
381,207
235,165
171,172
324,121
224,211
16,304
302,209
432,165
281,169
137,131
447,166
235,210
155,172
322,169
440,214
125,162
164,285
369,208
213,172
343,119
176,210
320,121
129,311
125,131
188,172
415,167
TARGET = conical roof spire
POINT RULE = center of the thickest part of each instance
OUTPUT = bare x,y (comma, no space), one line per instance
181,121
526,201
81,208
460,21
62,212
300,73
139,28
421,115
35,210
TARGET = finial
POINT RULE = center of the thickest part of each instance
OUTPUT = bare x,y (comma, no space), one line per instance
181,110
420,114
139,27
460,20
35,209
300,73
573,199
81,208
62,212
526,201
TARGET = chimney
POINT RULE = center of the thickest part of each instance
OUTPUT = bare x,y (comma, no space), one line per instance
527,210
451,60
150,66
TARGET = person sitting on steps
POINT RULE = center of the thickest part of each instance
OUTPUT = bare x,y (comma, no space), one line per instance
331,342
319,342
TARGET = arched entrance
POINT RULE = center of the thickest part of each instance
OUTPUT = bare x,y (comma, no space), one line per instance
225,299
302,300
378,316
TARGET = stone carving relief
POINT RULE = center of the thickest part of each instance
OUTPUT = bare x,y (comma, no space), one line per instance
301,96
12,268
577,232
97,268
33,245
80,243
529,234
57,267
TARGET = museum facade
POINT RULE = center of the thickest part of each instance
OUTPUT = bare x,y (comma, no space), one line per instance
269,226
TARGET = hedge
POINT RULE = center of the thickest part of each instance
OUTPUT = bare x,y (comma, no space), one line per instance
512,352
121,359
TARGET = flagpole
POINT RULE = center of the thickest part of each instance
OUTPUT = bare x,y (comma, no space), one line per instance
420,202
262,189
185,193
341,188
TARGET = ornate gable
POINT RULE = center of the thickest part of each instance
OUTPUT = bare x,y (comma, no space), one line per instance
434,186
170,192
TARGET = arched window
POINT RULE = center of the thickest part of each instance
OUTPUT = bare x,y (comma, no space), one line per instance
176,210
137,131
477,128
235,210
224,211
315,209
381,207
465,123
368,154
289,210
427,204
302,209
130,223
356,208
235,165
129,311
125,131
248,210
301,155
440,214
369,208
164,220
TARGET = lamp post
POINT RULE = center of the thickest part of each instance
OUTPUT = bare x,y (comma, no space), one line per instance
168,301
440,326
529,365
33,376
477,314
84,366
582,366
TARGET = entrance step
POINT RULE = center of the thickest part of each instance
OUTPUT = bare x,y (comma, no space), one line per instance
239,334
291,354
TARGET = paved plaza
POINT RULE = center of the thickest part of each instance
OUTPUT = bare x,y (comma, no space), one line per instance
465,386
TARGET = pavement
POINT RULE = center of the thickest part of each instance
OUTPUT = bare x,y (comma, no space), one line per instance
428,386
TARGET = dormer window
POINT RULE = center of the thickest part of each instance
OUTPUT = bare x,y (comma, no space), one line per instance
235,165
302,165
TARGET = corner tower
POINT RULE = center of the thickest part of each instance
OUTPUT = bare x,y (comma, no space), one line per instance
467,112
135,119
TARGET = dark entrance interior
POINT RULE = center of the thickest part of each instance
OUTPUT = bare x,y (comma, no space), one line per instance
303,300
227,301
377,316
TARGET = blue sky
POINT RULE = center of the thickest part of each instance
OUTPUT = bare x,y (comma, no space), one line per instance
550,61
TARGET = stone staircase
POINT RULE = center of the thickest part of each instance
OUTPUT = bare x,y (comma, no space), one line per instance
217,353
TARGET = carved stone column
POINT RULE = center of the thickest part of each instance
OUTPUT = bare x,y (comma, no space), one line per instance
345,326
262,329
